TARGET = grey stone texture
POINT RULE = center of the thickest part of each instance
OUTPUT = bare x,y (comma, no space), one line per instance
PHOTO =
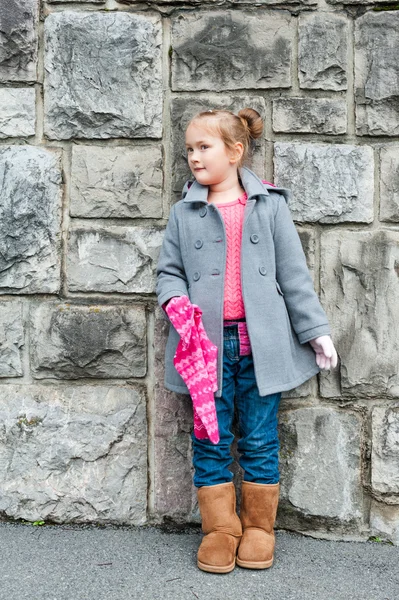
359,291
309,115
320,468
116,182
73,454
102,75
182,111
226,50
377,73
331,183
18,40
11,339
114,259
30,220
97,341
389,183
385,449
384,521
322,51
17,112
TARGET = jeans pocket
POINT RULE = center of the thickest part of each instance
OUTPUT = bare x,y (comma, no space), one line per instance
231,348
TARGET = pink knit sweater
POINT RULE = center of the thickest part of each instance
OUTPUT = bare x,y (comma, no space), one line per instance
233,213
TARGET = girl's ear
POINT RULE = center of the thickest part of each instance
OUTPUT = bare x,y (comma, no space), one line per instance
237,152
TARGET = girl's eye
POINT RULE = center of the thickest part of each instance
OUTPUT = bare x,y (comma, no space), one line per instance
204,146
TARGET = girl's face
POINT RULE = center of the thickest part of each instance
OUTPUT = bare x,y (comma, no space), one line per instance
208,157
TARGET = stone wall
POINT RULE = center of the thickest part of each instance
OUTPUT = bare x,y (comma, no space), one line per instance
94,99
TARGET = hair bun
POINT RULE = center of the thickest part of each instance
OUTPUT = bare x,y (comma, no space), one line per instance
252,120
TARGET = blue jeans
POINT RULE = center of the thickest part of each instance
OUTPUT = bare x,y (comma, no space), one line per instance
258,444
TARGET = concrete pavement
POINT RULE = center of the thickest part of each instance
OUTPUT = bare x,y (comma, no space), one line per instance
81,562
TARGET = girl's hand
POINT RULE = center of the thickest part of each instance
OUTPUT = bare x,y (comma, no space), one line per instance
326,355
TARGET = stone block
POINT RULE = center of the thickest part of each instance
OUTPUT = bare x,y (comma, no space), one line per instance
322,51
331,183
359,291
389,183
309,115
116,182
175,494
73,454
102,75
18,40
384,521
377,73
17,112
11,339
385,449
30,217
74,342
320,465
224,50
182,111
115,259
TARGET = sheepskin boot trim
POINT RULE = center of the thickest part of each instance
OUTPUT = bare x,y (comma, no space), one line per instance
222,526
259,503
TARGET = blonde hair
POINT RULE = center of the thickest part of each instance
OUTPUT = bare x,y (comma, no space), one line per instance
244,127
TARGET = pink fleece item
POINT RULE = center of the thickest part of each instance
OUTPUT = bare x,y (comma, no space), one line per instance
195,360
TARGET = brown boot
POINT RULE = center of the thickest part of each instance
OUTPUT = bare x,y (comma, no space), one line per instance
258,513
222,526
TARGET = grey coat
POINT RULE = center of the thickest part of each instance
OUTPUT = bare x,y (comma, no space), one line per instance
282,309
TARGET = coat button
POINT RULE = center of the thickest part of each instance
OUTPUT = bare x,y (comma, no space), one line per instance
262,270
219,239
196,275
203,211
215,272
198,244
254,238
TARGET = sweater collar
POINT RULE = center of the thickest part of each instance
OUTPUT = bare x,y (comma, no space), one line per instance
250,181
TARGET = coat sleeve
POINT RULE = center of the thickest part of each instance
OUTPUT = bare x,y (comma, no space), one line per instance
171,277
308,317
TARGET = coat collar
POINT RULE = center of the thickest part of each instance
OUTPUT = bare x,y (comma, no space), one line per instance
250,181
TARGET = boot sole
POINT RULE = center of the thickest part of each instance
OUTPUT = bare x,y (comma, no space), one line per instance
216,569
247,564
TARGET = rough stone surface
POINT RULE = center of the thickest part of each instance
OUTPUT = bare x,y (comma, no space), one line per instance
116,182
175,494
389,183
71,342
226,50
322,51
18,40
385,449
30,214
331,183
320,467
359,291
73,454
309,115
102,75
17,112
11,339
183,109
384,521
116,259
377,73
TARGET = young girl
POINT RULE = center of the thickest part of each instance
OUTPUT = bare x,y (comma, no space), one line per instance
232,248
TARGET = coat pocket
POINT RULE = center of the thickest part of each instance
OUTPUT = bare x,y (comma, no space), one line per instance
279,288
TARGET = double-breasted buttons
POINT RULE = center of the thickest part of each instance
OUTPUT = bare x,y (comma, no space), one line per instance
203,211
199,244
196,275
262,270
254,238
